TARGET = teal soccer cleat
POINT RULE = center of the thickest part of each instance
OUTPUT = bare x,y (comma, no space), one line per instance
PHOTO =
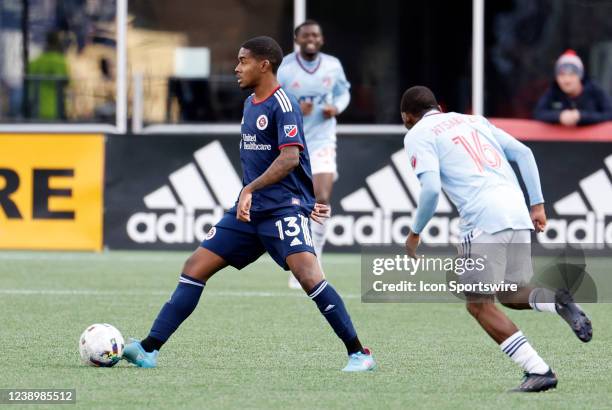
360,362
135,354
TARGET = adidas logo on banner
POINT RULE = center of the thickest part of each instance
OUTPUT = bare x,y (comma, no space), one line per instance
596,191
392,189
390,198
209,183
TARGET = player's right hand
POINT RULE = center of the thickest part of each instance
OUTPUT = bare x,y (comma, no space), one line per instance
306,107
538,217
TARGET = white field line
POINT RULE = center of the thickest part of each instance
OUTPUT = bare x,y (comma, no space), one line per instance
139,257
117,293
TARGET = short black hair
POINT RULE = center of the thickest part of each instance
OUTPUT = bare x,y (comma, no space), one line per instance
417,100
308,22
265,48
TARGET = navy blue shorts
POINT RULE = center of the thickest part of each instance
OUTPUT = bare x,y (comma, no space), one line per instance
241,243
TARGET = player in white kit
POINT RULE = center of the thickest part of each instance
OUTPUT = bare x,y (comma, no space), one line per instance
318,82
467,157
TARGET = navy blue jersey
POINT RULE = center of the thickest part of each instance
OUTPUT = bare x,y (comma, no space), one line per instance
267,127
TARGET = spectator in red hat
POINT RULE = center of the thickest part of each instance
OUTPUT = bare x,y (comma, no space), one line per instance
572,99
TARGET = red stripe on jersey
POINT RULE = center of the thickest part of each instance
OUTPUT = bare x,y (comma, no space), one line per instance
264,100
291,143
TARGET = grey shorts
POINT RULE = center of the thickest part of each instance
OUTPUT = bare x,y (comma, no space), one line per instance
502,257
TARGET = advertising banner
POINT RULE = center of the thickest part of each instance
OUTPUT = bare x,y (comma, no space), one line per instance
165,192
51,189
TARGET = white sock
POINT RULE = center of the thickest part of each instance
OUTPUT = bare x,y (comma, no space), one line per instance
520,351
319,233
542,300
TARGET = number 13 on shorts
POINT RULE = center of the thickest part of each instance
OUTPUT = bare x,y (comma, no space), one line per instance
290,228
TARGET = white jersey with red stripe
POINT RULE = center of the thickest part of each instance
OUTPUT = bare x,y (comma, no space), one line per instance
467,152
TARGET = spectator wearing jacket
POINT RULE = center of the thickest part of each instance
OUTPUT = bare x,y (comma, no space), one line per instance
571,99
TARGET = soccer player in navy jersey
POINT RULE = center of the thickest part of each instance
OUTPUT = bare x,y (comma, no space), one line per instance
271,214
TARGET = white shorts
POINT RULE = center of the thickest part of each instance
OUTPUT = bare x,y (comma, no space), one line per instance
506,256
323,160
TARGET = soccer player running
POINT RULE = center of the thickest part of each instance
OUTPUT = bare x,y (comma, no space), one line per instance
468,157
317,80
271,214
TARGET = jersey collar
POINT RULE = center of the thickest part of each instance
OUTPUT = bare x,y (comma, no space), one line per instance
299,61
431,112
265,99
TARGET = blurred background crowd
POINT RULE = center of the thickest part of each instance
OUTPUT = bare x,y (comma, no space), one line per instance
58,57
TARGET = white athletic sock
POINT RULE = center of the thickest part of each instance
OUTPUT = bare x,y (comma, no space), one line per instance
542,300
319,233
521,352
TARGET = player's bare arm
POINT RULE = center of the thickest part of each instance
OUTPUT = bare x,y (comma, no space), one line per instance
287,160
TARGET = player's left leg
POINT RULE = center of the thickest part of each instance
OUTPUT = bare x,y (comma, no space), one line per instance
560,302
519,270
305,267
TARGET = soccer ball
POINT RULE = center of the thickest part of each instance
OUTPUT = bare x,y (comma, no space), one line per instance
101,345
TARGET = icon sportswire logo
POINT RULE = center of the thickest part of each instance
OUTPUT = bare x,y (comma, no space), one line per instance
209,183
390,190
593,202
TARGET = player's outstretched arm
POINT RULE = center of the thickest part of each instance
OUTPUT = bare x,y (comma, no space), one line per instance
288,159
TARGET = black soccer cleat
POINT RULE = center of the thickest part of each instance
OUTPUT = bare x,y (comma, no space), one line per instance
534,383
573,315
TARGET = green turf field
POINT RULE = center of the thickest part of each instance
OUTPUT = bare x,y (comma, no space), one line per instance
253,343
